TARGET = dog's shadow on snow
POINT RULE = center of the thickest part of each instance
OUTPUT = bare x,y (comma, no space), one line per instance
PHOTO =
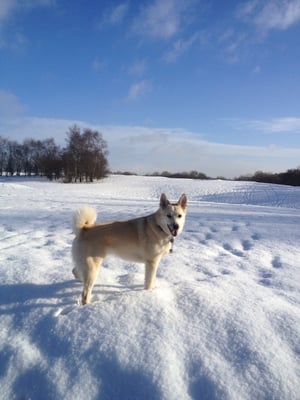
15,295
18,296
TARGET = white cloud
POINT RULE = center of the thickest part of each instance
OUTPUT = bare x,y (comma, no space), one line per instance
143,150
255,20
179,48
278,15
275,125
271,14
233,47
161,19
7,10
139,89
138,68
8,7
246,9
119,13
228,34
115,15
10,106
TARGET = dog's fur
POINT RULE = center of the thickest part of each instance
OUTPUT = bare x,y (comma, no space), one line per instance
144,239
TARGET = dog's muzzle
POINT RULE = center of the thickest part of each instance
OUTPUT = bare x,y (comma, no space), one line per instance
173,229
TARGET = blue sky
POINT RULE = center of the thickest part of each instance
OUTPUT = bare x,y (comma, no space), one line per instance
172,84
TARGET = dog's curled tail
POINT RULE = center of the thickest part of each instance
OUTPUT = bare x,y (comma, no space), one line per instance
83,217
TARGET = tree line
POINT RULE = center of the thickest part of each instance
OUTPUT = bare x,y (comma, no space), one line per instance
84,159
290,177
183,175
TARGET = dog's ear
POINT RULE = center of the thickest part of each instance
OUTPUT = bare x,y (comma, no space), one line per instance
164,202
183,201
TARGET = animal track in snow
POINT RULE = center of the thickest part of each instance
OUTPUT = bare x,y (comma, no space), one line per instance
255,236
226,272
266,278
247,245
233,251
276,262
208,236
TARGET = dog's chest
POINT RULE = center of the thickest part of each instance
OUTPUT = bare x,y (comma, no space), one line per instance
162,247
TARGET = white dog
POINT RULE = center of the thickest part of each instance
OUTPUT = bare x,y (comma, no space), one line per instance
144,239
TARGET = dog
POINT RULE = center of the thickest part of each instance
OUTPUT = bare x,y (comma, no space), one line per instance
143,239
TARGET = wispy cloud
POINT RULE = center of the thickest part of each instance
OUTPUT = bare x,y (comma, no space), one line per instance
10,106
139,89
275,125
115,15
137,68
161,19
143,150
119,13
271,14
253,21
98,65
233,47
228,34
180,47
8,8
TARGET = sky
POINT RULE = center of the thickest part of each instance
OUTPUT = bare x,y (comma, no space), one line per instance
174,85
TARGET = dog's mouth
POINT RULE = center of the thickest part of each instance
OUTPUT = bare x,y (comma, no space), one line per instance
173,230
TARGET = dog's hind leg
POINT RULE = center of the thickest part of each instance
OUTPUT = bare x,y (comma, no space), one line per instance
150,273
90,275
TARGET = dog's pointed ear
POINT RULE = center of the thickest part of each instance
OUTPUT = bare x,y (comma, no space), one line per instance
164,202
183,201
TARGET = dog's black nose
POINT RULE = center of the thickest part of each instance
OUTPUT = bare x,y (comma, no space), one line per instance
176,226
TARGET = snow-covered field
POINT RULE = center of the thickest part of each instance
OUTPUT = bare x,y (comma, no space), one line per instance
223,322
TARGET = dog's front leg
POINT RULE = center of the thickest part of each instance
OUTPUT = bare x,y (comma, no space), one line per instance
150,273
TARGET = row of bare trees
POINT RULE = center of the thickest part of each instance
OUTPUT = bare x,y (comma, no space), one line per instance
84,159
290,177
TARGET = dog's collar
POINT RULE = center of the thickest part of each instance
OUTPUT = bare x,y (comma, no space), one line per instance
172,244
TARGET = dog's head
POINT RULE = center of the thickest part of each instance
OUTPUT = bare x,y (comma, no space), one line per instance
172,215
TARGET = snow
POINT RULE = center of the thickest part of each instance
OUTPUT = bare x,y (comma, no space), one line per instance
223,322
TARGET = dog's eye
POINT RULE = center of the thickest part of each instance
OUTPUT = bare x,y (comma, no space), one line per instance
169,215
179,216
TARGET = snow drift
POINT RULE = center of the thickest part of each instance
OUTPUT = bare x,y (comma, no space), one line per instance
223,323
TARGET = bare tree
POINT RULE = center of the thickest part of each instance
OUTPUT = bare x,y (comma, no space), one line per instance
51,160
85,155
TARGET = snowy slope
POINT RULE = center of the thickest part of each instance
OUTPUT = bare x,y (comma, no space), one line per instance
223,323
